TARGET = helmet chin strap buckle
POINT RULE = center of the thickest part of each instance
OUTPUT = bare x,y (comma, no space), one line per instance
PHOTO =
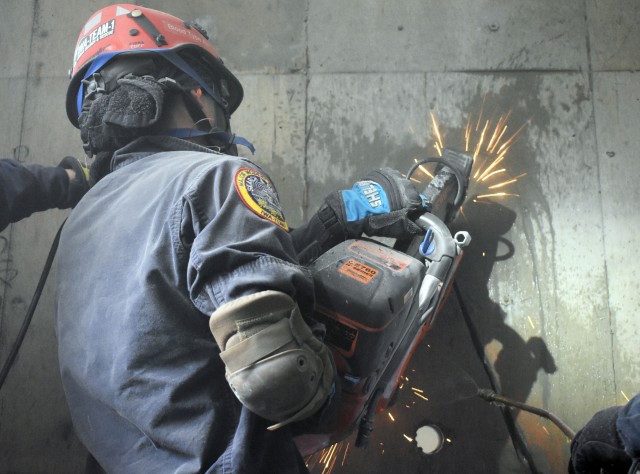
94,85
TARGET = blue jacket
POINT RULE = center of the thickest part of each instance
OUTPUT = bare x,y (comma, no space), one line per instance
147,255
628,425
25,189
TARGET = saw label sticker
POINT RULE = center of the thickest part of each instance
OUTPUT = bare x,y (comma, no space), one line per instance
259,195
358,271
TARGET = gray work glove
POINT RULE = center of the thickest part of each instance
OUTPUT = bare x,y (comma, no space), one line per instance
381,204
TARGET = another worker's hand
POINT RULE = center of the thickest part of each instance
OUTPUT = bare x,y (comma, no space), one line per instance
379,205
79,180
598,446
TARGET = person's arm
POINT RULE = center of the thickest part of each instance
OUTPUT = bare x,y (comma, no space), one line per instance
244,274
25,189
379,205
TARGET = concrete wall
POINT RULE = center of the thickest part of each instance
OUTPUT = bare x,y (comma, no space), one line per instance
334,89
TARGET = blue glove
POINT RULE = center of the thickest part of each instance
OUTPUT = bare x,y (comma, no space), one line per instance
380,205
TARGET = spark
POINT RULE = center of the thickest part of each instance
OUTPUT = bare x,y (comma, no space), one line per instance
417,390
345,454
505,183
544,428
505,146
391,416
485,196
467,135
624,395
493,173
408,438
533,326
423,169
448,440
421,396
437,131
479,145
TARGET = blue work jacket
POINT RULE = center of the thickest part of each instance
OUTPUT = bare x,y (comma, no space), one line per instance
172,233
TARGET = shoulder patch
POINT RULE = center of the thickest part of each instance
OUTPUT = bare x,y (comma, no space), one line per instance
259,195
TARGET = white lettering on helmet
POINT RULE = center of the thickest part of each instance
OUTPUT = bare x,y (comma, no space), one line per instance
101,32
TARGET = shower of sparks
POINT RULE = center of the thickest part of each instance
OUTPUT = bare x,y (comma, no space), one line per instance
328,457
488,144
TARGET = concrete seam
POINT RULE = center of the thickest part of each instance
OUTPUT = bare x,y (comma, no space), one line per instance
602,223
306,124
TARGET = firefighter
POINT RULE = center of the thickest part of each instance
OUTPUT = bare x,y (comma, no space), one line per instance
181,297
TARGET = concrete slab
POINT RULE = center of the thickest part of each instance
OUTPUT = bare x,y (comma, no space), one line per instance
270,37
617,97
613,34
272,117
446,36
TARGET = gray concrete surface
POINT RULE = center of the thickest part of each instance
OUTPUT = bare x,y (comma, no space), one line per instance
334,89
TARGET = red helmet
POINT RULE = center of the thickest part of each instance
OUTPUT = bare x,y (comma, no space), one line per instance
131,29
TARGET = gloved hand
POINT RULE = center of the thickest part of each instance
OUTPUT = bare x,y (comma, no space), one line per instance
598,446
380,205
79,185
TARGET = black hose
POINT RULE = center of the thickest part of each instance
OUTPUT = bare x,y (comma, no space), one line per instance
517,439
32,309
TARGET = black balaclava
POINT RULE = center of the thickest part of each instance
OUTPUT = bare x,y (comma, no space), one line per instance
124,101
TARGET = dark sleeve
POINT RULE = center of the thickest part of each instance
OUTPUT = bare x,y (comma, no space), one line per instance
241,244
628,425
25,189
318,235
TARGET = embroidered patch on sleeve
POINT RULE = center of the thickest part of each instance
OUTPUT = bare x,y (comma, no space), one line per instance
259,195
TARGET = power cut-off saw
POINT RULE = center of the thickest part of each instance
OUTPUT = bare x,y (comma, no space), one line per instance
377,303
